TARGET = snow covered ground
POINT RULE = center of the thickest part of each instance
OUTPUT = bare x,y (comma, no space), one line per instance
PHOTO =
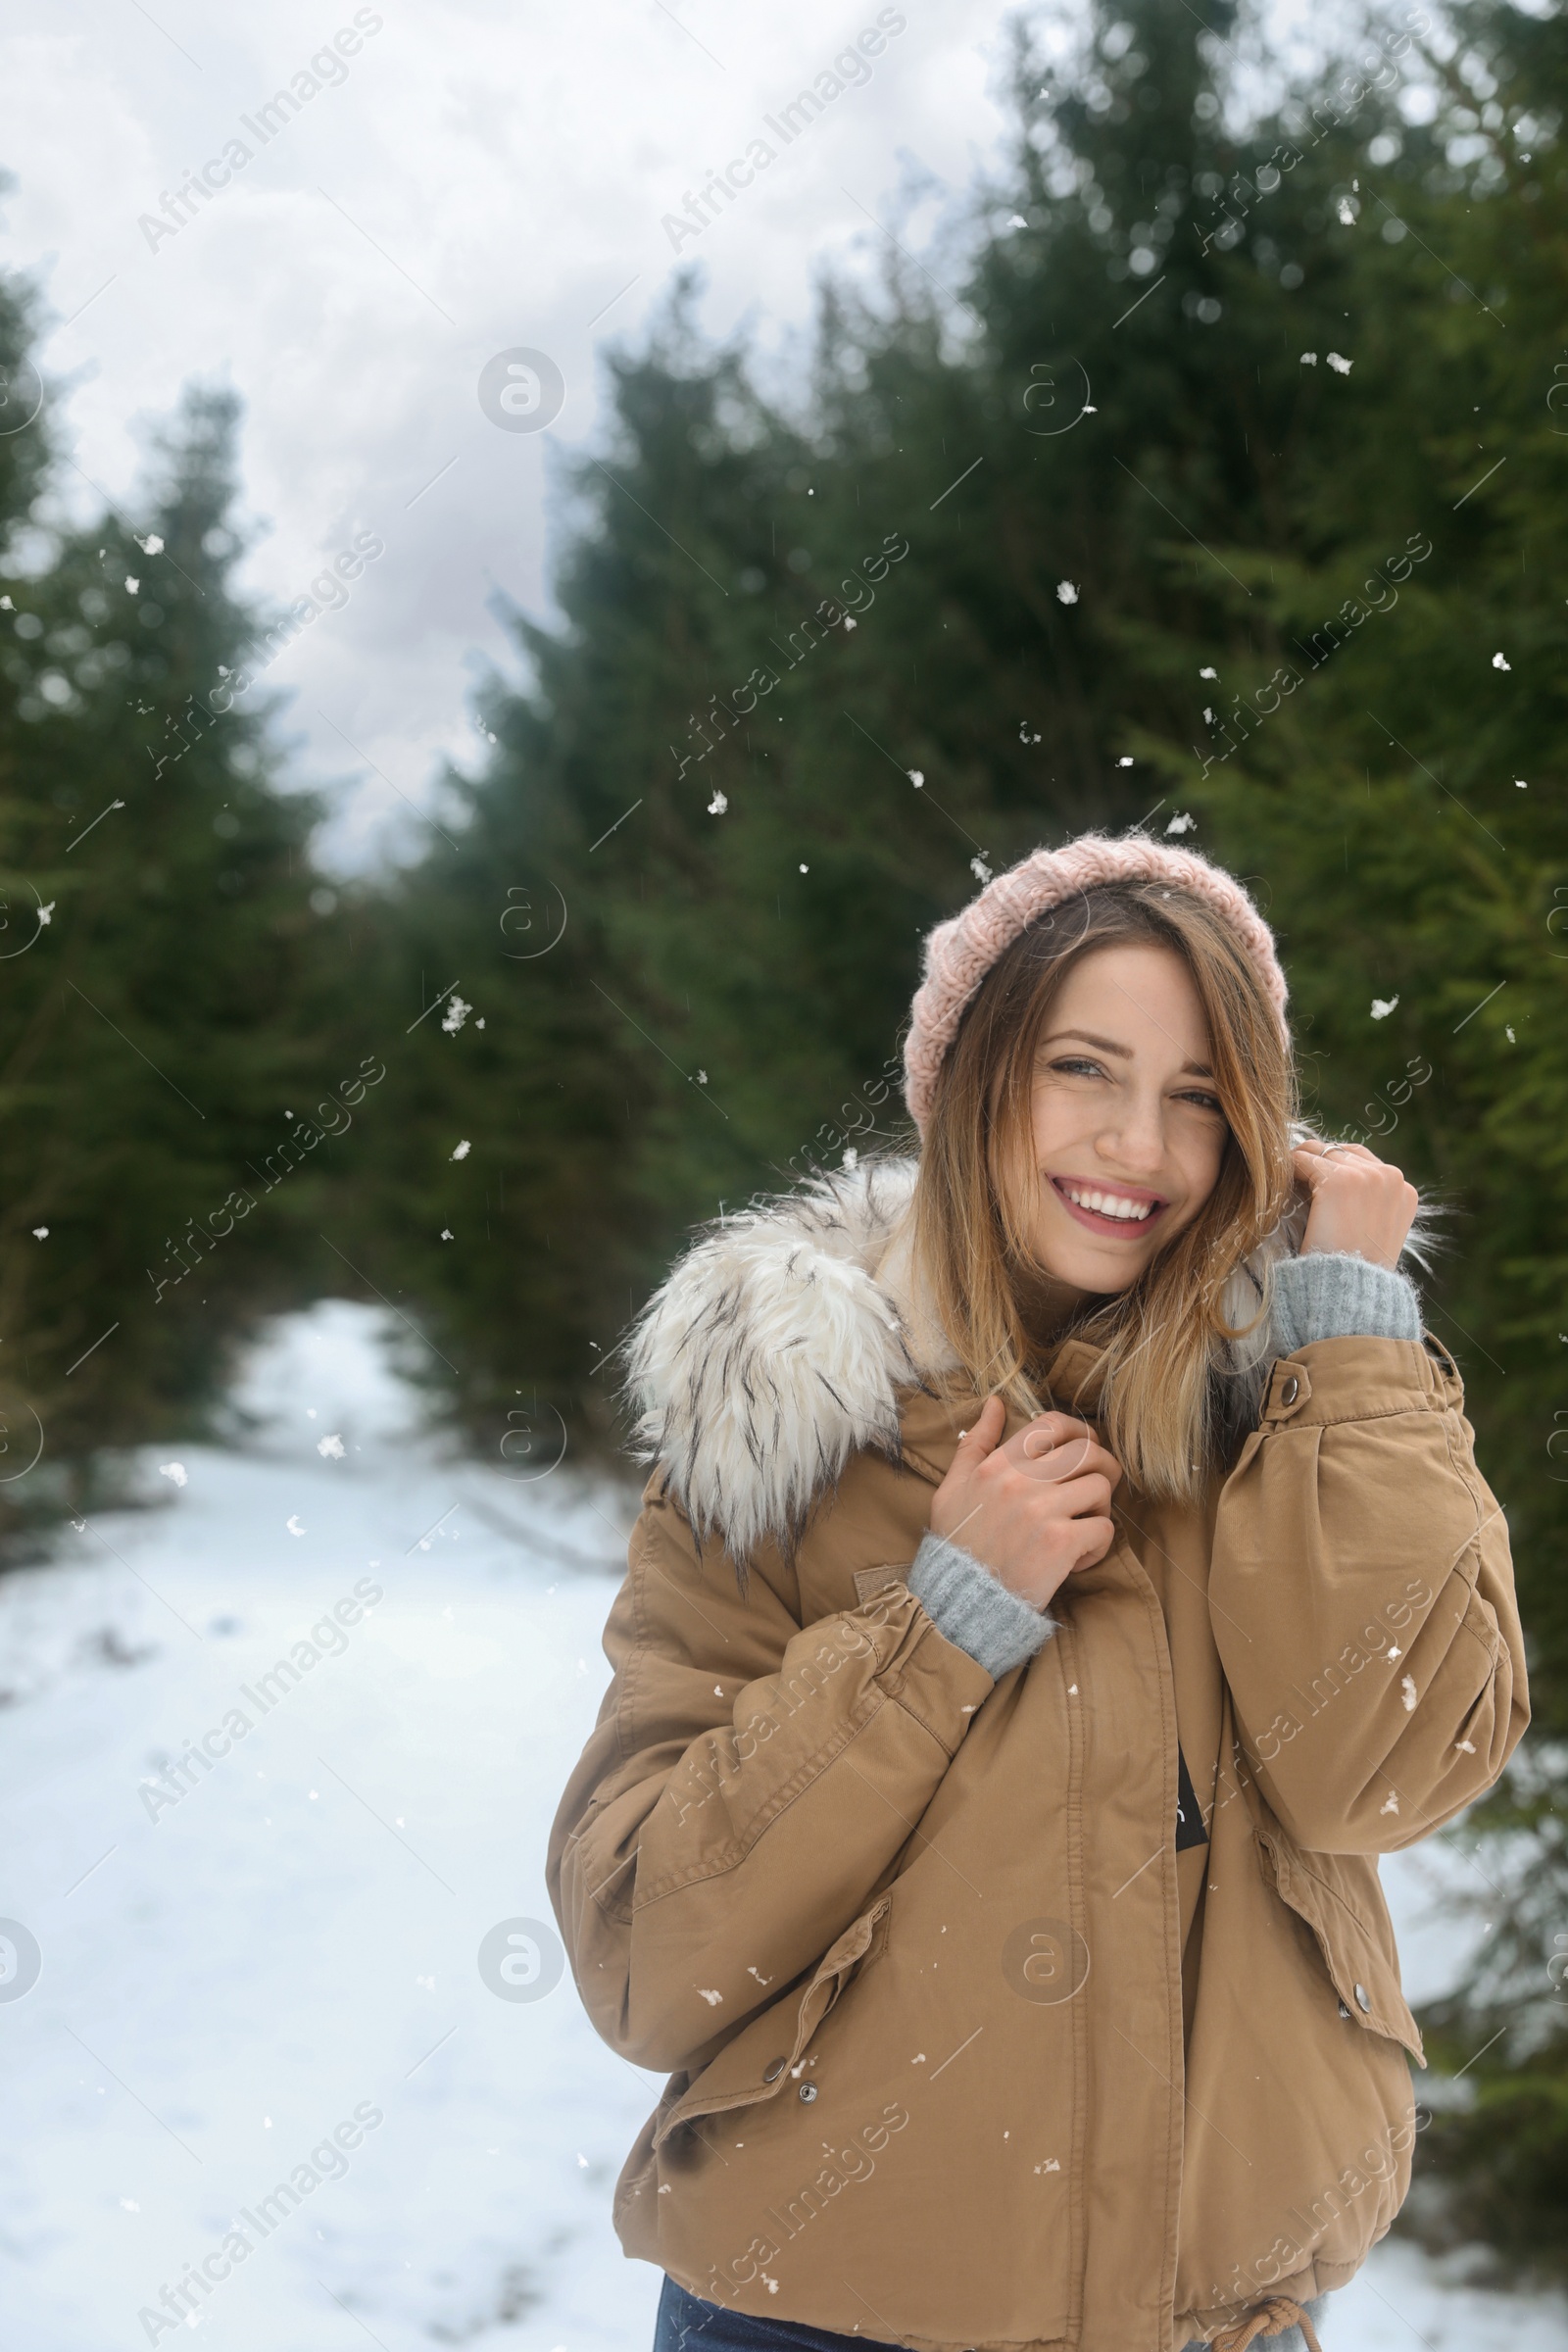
273,1968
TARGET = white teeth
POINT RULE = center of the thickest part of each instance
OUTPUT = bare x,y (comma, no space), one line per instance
1111,1205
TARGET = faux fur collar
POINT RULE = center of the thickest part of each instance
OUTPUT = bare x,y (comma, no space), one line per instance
779,1346
773,1352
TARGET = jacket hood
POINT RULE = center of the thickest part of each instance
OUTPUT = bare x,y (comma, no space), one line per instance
781,1342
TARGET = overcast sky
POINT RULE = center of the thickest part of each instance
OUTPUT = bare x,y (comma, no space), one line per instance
471,178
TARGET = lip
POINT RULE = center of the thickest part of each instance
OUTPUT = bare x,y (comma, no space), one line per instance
1114,1228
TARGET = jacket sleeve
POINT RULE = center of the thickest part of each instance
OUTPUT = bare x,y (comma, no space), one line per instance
746,1791
1361,1596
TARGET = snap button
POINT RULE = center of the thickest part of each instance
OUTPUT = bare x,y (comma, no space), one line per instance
773,2069
1344,2012
807,2092
1363,1997
1291,1390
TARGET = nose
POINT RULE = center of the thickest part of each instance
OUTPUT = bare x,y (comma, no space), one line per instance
1133,1141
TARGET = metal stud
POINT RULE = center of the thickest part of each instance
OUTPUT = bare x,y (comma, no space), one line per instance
1291,1390
773,2069
807,2092
1364,2000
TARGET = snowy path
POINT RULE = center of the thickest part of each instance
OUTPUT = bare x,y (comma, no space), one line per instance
230,1979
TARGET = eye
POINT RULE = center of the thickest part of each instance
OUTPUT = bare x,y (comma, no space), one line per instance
1204,1100
1076,1065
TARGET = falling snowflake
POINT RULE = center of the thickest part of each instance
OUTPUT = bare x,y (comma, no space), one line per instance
1066,593
1346,213
702,1075
1465,1747
1509,1034
1339,364
850,621
1391,1806
1018,222
457,1012
462,1151
1208,674
1309,359
1124,762
805,869
1498,663
852,1158
1208,714
917,776
293,1524
46,914
152,545
979,868
447,1234
711,1998
1407,1686
718,804
1181,824
41,1233
132,587
1382,1006
330,1448
176,1471
1519,780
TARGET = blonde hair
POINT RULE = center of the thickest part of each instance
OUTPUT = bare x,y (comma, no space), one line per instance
1164,1345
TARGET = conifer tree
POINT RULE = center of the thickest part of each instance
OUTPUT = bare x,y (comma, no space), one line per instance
153,1038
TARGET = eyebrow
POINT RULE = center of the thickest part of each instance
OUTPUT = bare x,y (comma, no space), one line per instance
1109,1045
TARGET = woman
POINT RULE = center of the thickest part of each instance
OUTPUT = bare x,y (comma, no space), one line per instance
1063,1572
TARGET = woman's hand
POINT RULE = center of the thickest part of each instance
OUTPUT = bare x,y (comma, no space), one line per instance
1032,1510
1359,1204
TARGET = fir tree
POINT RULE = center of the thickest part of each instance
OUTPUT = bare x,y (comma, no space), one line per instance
158,887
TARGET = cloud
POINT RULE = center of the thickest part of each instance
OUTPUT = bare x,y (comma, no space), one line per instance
346,283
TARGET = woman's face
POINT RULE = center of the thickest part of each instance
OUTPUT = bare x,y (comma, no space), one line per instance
1127,1129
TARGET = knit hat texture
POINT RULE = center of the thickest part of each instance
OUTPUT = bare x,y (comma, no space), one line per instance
960,952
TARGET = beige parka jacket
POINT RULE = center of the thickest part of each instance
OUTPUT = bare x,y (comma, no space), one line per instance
943,2071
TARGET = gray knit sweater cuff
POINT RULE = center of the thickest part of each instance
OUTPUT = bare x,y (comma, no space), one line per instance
1329,1294
974,1609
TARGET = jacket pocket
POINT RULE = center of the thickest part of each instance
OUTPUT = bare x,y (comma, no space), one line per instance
756,2064
1341,1900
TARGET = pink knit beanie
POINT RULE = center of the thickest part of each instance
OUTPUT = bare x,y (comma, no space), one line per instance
959,953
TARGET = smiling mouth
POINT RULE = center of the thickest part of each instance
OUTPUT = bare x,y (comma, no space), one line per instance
1106,1209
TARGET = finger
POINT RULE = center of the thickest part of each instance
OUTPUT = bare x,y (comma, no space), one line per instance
1087,1498
1323,1156
1311,1163
1050,1430
976,1443
1073,1461
1095,1538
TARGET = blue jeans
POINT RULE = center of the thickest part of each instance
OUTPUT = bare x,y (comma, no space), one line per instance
686,2324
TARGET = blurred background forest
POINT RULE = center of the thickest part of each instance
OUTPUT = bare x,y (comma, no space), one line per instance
1035,547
